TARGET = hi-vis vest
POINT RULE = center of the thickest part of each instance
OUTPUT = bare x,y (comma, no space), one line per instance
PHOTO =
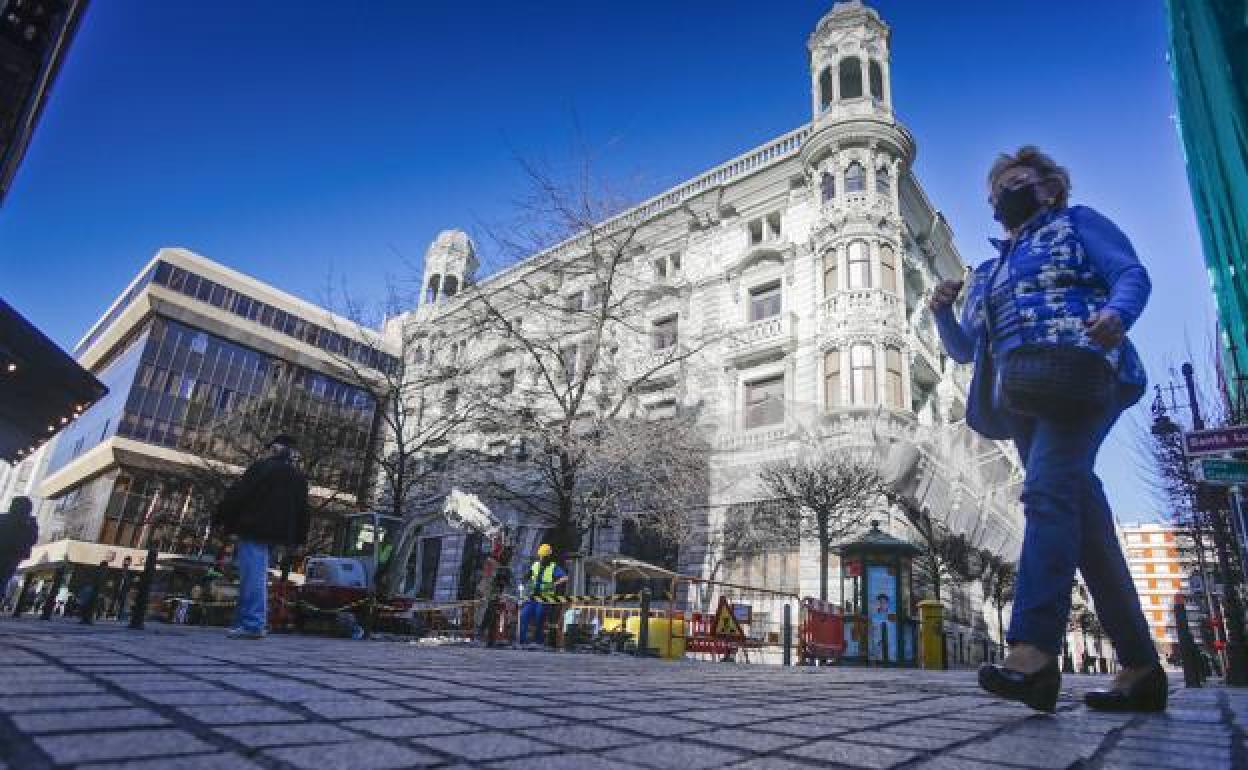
543,579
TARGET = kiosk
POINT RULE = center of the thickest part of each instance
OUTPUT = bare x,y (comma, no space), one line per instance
876,583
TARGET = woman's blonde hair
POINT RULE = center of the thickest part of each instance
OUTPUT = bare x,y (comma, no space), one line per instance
1054,177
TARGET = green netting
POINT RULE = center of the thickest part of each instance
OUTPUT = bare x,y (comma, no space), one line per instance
1209,62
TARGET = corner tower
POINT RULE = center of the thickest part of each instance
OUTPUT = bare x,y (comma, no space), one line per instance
855,160
450,264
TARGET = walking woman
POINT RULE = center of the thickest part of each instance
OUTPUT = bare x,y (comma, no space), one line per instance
1044,324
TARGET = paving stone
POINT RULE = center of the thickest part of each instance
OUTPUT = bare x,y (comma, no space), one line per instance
410,727
563,762
676,754
509,719
239,715
1024,752
456,706
122,744
265,736
585,737
902,740
485,747
852,754
94,719
751,740
195,698
590,713
197,762
659,726
51,688
772,763
355,707
357,755
60,702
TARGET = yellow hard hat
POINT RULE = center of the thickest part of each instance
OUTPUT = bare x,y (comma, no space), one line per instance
544,550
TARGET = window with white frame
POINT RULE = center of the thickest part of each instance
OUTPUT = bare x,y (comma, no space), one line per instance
827,185
859,265
567,359
664,333
893,379
764,402
832,379
831,274
888,268
855,178
765,301
662,410
862,374
883,183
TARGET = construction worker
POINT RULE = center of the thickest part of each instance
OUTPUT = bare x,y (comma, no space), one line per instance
545,577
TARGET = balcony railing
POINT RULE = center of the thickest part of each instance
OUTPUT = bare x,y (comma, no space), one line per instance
778,331
657,362
856,308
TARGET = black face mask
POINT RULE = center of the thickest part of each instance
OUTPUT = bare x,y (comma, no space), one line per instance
1015,206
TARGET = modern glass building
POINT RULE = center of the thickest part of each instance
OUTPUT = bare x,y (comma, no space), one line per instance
203,366
1209,59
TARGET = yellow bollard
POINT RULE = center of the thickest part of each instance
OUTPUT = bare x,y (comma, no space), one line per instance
931,634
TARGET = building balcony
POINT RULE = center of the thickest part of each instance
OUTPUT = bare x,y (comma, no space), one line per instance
753,338
925,358
753,438
655,366
861,310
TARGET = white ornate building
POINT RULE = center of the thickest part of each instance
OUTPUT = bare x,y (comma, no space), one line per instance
818,261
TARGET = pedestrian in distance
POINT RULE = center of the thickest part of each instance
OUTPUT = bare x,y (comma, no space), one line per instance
91,593
266,507
123,589
545,577
1045,325
18,534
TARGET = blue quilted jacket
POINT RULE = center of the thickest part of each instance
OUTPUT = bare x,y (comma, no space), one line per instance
1065,264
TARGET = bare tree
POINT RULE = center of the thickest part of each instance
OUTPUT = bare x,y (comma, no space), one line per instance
833,494
415,377
999,579
578,359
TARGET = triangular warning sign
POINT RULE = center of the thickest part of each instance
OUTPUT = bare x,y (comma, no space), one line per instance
726,624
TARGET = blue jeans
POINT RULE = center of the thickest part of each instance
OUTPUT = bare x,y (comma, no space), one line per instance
1069,525
532,613
252,560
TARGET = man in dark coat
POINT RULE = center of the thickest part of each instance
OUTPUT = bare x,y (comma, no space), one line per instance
266,507
18,534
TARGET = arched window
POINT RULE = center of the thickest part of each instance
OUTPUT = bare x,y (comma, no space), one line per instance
892,375
831,279
450,285
855,178
851,78
883,182
825,89
876,75
859,265
832,379
862,374
431,293
827,185
888,268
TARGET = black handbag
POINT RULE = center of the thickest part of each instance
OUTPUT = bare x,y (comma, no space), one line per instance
1050,381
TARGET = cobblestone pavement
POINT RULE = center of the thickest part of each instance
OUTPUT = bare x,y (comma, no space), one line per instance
174,698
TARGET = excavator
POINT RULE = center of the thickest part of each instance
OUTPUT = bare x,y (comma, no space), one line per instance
340,591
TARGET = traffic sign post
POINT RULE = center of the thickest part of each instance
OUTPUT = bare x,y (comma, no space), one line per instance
1216,441
1214,470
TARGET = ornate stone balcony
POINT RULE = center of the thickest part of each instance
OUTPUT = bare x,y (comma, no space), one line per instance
756,438
752,338
656,363
858,310
926,354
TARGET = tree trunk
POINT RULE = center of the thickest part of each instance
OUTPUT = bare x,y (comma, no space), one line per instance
1001,626
1233,614
825,545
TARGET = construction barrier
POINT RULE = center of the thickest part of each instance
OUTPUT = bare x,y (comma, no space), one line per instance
733,622
821,638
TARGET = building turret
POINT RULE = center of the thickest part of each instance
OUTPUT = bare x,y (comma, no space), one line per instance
450,264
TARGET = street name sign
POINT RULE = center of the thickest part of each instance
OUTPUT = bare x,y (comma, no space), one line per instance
1217,471
1217,441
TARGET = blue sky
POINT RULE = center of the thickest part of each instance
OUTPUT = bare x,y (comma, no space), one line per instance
290,139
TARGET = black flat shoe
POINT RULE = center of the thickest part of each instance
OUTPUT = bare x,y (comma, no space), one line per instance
1037,690
1149,693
